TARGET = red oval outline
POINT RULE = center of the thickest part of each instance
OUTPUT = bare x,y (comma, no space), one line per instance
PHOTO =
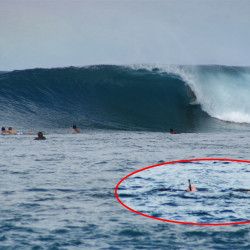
172,221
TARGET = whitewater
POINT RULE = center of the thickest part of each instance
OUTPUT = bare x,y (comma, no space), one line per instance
60,193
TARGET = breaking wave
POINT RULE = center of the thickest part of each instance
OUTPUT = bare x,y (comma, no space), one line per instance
138,97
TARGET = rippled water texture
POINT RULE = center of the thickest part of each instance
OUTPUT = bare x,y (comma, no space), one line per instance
222,192
60,193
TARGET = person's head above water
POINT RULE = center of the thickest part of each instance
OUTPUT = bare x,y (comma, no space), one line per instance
4,131
40,136
75,129
11,131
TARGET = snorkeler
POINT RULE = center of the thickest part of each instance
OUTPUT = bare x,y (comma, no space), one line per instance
191,188
74,130
40,136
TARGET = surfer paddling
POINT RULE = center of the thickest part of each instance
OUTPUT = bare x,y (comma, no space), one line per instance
11,131
75,130
190,187
173,132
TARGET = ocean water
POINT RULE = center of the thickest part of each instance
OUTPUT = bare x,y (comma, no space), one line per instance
222,197
60,193
133,98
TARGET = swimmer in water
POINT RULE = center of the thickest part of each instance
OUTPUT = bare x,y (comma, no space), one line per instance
191,188
40,136
74,129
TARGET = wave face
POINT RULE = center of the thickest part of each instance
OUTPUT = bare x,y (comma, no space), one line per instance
136,97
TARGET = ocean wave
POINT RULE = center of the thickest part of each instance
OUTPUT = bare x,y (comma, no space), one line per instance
138,97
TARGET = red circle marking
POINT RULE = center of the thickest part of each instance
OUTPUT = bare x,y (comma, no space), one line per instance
172,221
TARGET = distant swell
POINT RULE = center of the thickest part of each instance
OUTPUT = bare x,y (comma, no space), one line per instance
127,98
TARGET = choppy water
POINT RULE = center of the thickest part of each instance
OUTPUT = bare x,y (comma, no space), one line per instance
60,193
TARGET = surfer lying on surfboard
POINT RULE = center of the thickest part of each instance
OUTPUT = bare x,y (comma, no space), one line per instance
173,132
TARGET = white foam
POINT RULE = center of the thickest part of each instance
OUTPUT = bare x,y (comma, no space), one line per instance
223,92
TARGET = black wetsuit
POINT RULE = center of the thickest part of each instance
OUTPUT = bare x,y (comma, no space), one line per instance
40,138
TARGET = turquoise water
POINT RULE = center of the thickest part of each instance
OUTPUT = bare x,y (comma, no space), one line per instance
60,193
